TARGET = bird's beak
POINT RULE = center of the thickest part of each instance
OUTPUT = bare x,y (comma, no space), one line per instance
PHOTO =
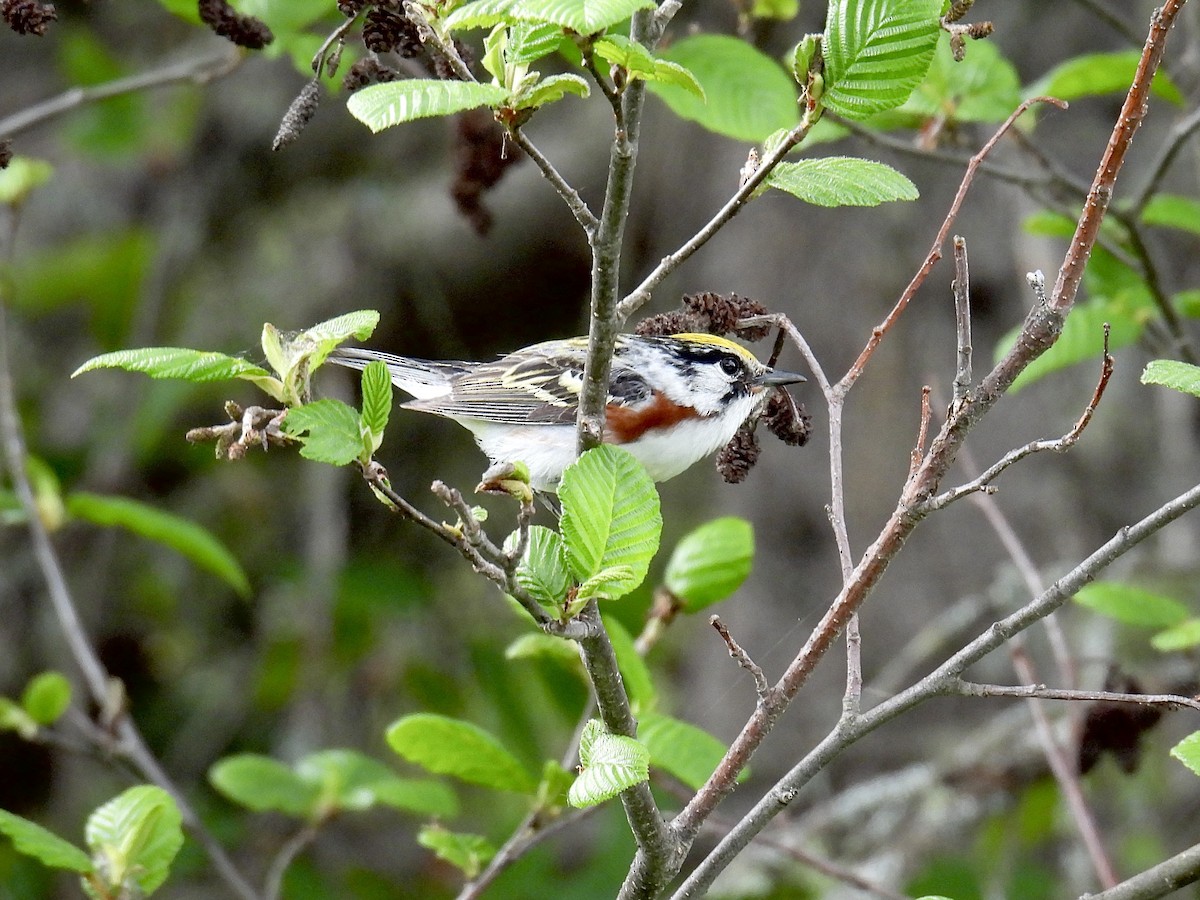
776,378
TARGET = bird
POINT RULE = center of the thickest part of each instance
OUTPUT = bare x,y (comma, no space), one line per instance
672,400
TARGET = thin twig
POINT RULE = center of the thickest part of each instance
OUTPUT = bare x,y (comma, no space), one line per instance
983,481
940,681
761,686
1041,692
291,848
918,451
961,287
195,71
579,208
1168,152
935,252
415,14
1167,877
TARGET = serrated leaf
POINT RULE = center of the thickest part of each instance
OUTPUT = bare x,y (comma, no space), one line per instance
543,570
1173,211
137,834
581,16
634,671
376,403
550,89
876,52
176,362
1178,376
611,583
1131,605
467,852
638,62
181,535
1095,74
465,751
841,181
687,752
530,41
264,784
45,846
1183,636
46,697
21,176
711,562
349,780
543,646
744,94
612,763
610,514
1187,751
381,106
330,430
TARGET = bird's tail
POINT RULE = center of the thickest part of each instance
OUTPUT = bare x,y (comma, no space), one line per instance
421,378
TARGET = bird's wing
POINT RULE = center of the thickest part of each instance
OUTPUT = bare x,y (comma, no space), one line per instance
420,378
541,388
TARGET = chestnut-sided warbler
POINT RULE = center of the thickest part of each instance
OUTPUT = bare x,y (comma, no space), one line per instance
671,400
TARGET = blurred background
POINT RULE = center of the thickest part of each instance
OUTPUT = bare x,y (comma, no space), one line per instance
170,221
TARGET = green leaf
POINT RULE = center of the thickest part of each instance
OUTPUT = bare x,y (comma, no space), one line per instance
180,362
984,87
47,697
381,106
264,784
744,94
610,763
687,752
610,583
634,671
467,852
14,718
876,52
376,404
1187,751
324,336
1188,303
1179,376
547,90
1131,605
45,846
530,41
543,646
610,515
136,835
20,177
331,431
1173,211
465,751
349,780
775,9
711,562
181,535
1095,74
543,570
581,16
638,62
841,181
1183,636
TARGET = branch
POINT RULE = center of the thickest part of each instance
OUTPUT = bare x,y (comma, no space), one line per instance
935,252
1041,692
1133,112
291,848
194,71
940,681
1179,871
961,287
743,659
583,215
640,295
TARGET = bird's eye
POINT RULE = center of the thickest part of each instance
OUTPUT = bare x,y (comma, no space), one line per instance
731,366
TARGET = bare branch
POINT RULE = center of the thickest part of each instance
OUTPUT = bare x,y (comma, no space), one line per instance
743,658
193,71
1167,877
961,288
1041,692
